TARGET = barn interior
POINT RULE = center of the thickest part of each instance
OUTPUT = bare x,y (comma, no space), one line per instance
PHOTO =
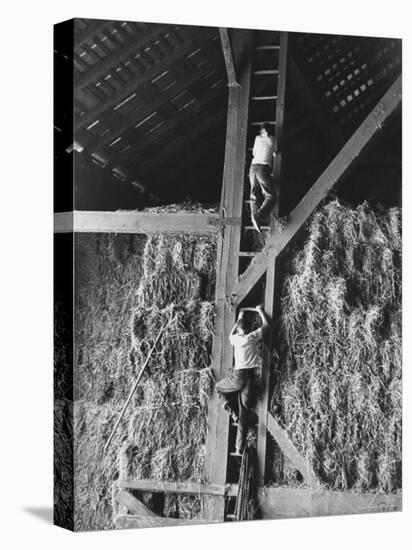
156,141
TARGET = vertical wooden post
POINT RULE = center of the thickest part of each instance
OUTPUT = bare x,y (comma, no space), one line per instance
228,266
271,289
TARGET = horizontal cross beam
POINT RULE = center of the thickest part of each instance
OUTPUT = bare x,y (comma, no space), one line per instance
81,221
345,160
176,487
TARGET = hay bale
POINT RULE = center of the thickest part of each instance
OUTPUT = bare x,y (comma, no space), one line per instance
128,287
338,388
169,427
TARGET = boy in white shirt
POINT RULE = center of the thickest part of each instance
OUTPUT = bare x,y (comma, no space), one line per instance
242,379
262,195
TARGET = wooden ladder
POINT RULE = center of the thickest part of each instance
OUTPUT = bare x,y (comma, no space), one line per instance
267,78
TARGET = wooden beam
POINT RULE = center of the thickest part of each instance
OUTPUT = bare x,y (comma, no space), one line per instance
340,166
330,129
272,286
287,502
227,266
142,516
227,54
177,487
288,448
81,221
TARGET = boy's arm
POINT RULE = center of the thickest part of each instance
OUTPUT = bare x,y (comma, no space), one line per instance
233,331
264,318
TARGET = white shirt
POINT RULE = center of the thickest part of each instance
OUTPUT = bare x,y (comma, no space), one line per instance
263,150
246,352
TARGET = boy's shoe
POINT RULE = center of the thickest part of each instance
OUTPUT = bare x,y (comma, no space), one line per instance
231,412
237,453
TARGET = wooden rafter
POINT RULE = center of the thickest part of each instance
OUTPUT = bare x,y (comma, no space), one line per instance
227,54
147,95
93,27
345,160
188,134
103,67
193,41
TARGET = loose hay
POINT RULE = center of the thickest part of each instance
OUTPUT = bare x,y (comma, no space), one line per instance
338,383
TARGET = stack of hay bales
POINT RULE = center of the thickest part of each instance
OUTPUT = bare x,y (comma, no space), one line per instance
167,433
128,287
338,373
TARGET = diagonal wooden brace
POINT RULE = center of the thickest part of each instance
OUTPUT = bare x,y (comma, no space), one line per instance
345,160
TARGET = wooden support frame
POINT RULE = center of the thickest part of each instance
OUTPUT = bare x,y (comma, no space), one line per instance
227,266
227,54
345,160
287,502
81,221
271,287
141,516
287,447
177,487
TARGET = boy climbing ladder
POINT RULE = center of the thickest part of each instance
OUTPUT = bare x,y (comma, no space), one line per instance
242,379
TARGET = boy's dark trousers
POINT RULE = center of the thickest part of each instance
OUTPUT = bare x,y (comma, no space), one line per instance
262,194
241,381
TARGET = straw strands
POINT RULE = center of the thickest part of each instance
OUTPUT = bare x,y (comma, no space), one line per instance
128,288
338,376
168,441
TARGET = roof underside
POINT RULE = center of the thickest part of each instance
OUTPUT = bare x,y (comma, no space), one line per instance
150,105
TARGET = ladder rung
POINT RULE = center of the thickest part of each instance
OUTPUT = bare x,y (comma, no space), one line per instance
268,47
245,254
258,123
263,97
250,227
266,71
